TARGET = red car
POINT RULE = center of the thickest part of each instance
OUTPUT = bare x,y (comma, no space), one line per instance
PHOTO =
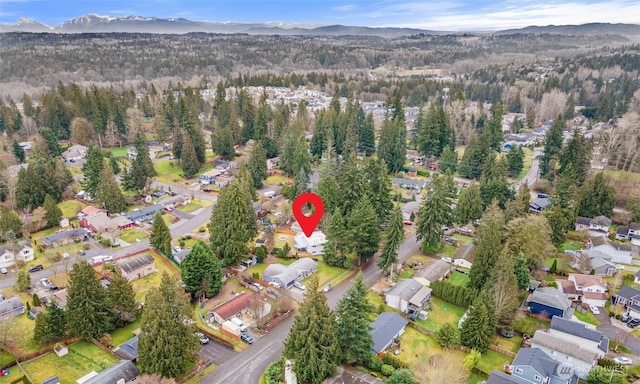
408,222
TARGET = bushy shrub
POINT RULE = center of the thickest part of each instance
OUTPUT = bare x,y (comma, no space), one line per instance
387,369
375,363
275,372
394,361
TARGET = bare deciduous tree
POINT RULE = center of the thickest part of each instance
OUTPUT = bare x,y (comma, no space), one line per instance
442,368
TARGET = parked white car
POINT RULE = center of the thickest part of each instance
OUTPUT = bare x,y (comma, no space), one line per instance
447,260
622,360
594,309
299,285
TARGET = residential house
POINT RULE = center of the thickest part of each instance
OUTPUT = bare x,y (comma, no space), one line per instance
137,267
613,252
101,223
313,244
634,233
175,201
208,178
35,312
90,210
569,289
636,277
122,372
60,297
132,153
591,289
286,275
600,224
434,271
222,181
230,308
622,233
540,204
74,152
129,349
221,165
386,328
464,256
408,296
572,343
273,163
22,251
410,183
145,213
550,302
600,263
409,208
630,298
11,307
51,380
534,366
66,237
582,224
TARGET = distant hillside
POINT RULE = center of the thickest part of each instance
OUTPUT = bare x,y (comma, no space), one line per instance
583,29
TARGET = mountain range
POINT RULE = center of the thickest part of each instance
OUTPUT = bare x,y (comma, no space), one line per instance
136,24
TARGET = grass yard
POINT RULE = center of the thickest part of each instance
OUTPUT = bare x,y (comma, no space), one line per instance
588,318
463,239
70,208
416,347
491,360
329,274
131,234
122,334
142,286
192,206
377,301
571,245
528,160
277,179
280,239
82,358
6,357
512,344
119,152
18,335
167,172
526,324
447,251
458,278
474,378
407,273
441,313
196,379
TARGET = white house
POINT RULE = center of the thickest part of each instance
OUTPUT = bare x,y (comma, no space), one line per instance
600,224
636,277
23,252
463,256
408,294
591,289
615,253
313,244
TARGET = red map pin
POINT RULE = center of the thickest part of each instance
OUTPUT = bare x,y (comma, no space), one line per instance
308,223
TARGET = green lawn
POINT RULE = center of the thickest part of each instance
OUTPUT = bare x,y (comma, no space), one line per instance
528,159
82,358
142,286
122,334
588,318
276,179
119,152
491,360
416,347
192,206
6,357
447,250
406,274
70,208
512,344
167,172
441,313
571,245
18,335
526,324
130,235
463,239
474,378
458,278
329,274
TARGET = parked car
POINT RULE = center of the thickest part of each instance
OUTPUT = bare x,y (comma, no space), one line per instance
619,266
299,285
273,292
625,318
4,271
259,286
48,284
633,323
447,260
327,288
622,360
408,222
594,309
244,336
202,338
274,284
35,268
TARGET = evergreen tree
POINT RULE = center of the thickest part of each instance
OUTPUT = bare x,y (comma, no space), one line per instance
363,231
366,136
577,154
448,160
504,291
515,161
51,141
295,153
633,206
470,166
142,167
257,164
351,185
394,236
222,142
521,271
488,247
109,194
557,220
602,375
327,187
88,314
189,161
596,197
50,325
201,271
160,237
469,205
552,147
493,183
10,221
232,225
313,343
166,343
18,152
354,323
434,213
392,147
53,214
476,331
448,336
92,168
532,236
23,281
379,188
300,184
554,267
121,300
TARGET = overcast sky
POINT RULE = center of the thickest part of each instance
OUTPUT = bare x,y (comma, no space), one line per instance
453,15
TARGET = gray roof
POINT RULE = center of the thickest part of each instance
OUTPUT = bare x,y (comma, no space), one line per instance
563,346
464,252
551,297
623,231
580,329
601,220
420,298
583,220
51,380
76,232
146,211
537,359
498,377
634,226
123,369
434,271
133,263
405,288
177,199
10,305
637,273
629,293
129,349
540,204
386,326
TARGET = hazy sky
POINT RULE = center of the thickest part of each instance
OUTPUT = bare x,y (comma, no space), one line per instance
452,15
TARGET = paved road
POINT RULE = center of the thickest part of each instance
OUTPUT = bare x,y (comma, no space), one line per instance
532,175
612,332
247,366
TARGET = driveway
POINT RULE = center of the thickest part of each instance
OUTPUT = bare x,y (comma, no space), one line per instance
613,332
603,316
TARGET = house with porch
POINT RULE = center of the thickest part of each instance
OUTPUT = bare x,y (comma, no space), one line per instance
66,237
385,329
599,224
286,275
538,205
313,244
590,289
534,366
616,253
144,214
408,296
101,223
209,177
22,251
629,298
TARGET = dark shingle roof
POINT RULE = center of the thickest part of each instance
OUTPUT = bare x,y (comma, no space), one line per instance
129,349
629,293
551,297
623,231
386,326
497,377
146,211
584,220
51,380
536,359
601,220
9,305
580,330
123,369
76,232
